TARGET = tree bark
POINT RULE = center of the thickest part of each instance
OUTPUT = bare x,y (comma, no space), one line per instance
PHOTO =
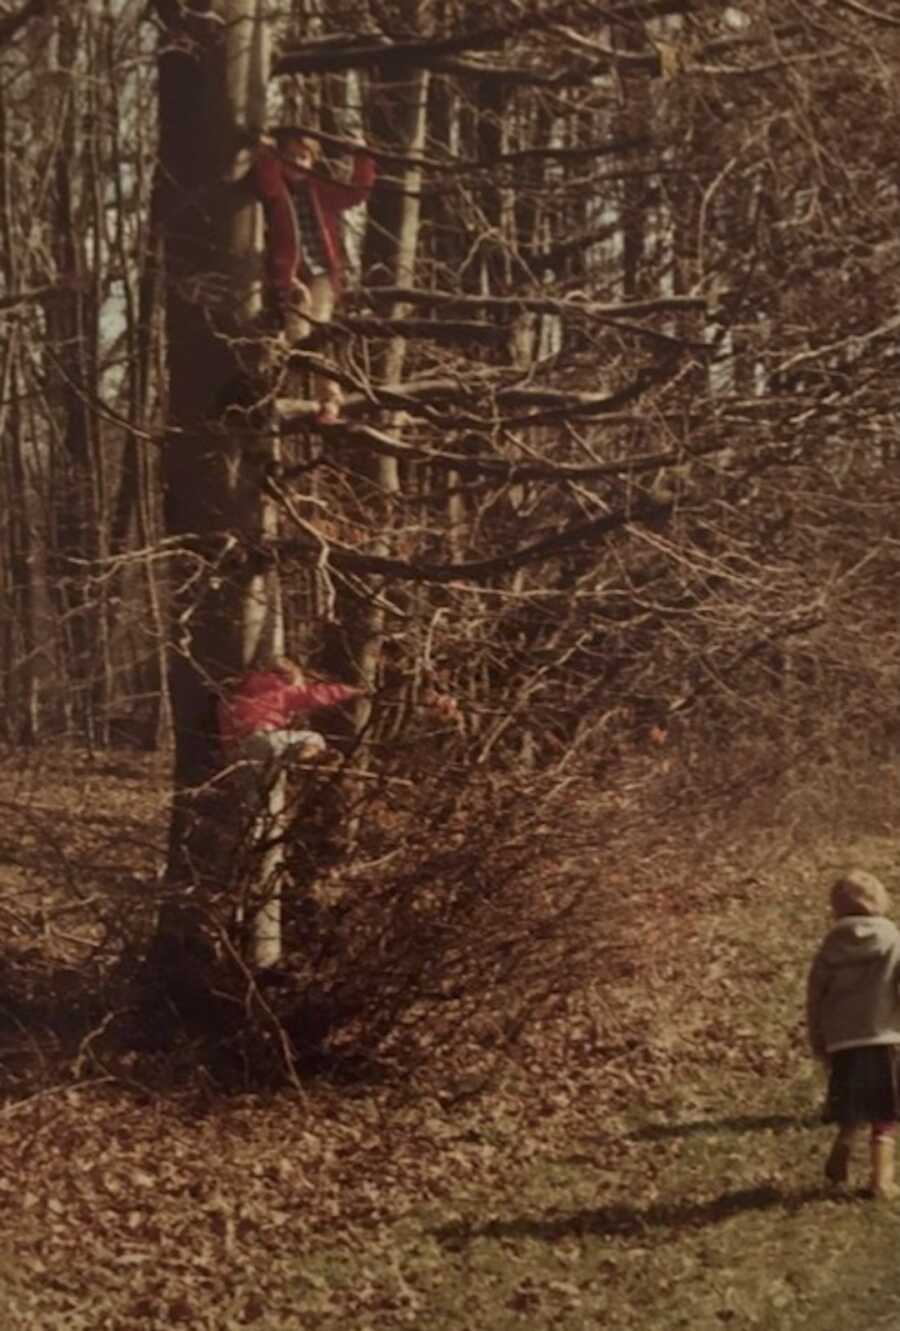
225,602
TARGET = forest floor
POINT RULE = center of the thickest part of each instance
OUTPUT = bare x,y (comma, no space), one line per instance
661,1169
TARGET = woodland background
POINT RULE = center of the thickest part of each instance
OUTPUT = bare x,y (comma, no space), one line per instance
618,477
618,483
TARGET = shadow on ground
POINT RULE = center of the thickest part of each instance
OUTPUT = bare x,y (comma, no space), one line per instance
622,1221
652,1132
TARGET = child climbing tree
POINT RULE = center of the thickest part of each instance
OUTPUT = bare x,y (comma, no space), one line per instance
304,248
226,605
222,472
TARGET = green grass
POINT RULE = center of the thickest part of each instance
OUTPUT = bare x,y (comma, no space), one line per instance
697,1202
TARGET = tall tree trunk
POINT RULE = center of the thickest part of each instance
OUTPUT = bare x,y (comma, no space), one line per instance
72,316
224,602
20,558
409,101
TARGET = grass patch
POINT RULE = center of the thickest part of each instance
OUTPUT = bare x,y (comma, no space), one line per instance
653,1161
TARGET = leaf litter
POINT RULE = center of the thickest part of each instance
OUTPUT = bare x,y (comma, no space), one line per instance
651,1160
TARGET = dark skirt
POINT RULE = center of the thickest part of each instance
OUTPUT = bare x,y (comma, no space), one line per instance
864,1085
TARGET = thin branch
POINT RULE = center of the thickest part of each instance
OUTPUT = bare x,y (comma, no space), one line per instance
856,8
467,331
576,75
505,470
351,53
345,51
649,513
319,57
541,304
10,26
471,332
27,297
829,54
419,395
339,143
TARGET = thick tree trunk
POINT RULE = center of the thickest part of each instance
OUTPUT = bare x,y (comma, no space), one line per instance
224,598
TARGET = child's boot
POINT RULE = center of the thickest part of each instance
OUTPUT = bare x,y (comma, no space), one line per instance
837,1166
883,1184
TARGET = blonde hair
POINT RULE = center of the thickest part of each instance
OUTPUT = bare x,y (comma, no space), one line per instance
281,665
858,892
285,136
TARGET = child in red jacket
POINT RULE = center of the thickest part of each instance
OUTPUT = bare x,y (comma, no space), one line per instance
304,249
263,719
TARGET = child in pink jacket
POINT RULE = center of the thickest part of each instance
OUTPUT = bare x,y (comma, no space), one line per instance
264,718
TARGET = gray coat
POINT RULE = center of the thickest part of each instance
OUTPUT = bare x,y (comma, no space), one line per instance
853,990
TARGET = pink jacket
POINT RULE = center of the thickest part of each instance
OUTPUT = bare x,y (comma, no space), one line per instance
264,700
272,177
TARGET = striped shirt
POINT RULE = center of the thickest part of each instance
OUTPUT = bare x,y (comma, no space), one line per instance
312,246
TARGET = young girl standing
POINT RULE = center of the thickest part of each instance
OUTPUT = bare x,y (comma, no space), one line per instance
853,1020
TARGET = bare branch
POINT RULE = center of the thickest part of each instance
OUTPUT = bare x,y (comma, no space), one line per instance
32,9
856,8
505,470
350,53
26,297
456,165
346,51
319,57
542,304
418,396
469,332
649,513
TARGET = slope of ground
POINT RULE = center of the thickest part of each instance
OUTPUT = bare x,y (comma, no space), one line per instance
655,1163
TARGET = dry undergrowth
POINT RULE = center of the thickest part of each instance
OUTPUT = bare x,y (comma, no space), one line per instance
650,1161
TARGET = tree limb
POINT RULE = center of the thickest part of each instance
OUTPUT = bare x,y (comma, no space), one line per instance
26,297
470,332
339,143
581,533
10,25
856,8
321,57
467,331
504,470
540,304
346,51
419,395
317,58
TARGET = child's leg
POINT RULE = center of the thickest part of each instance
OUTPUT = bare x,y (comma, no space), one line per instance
883,1159
307,744
321,308
260,755
837,1166
296,320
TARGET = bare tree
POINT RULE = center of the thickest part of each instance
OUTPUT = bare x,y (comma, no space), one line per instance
615,480
224,602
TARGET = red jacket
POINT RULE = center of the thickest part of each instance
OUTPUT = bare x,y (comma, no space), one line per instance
272,177
264,700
